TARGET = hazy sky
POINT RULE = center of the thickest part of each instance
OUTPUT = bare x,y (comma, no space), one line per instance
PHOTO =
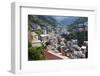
59,18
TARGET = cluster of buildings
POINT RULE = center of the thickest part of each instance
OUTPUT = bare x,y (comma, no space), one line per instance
56,43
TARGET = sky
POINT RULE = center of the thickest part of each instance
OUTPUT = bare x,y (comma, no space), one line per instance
59,18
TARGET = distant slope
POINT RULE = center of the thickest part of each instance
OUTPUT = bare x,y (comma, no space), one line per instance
68,20
42,20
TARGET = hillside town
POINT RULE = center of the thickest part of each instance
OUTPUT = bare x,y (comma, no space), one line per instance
56,42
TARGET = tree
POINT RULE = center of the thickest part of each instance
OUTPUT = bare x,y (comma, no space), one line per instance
36,53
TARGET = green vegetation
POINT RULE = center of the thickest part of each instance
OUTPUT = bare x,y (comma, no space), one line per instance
81,20
29,45
76,23
36,53
42,20
81,36
39,32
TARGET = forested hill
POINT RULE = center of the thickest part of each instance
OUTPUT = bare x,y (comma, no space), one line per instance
42,20
53,21
68,20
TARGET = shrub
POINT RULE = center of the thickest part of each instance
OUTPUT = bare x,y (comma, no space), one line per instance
36,53
29,44
39,32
